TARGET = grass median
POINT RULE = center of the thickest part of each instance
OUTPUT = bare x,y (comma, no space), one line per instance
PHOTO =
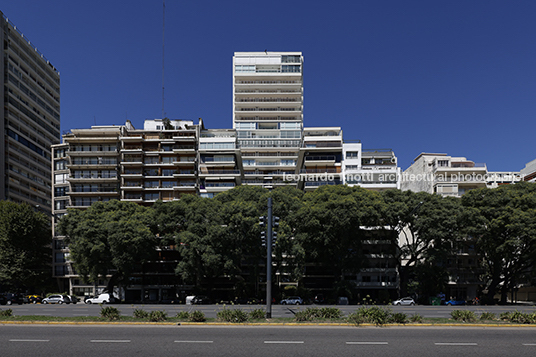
362,316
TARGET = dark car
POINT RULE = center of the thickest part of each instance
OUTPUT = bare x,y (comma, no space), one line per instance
201,300
12,298
3,300
34,299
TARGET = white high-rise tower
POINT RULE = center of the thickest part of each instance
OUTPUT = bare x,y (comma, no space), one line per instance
268,113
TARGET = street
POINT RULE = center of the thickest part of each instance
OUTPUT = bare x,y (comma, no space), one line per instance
154,340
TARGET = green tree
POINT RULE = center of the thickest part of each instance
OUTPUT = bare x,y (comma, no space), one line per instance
329,227
503,222
427,228
25,238
108,238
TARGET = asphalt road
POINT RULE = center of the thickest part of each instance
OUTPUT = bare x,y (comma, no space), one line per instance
211,310
84,340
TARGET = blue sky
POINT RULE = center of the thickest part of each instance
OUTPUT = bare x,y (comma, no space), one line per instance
456,77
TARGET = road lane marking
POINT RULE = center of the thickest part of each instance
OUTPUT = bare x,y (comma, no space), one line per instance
193,341
367,343
456,344
283,342
110,341
29,340
529,344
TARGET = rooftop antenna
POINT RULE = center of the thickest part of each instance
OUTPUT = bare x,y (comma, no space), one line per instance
163,52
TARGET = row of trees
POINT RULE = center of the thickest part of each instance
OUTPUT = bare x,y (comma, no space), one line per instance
25,254
219,237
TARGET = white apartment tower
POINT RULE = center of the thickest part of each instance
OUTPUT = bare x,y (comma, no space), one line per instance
268,114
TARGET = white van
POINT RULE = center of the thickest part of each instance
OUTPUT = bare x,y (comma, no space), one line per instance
101,299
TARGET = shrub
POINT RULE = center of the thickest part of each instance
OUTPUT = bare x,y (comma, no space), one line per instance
140,314
487,316
463,315
184,315
330,313
416,319
257,314
374,315
519,317
6,313
398,318
197,316
157,316
236,315
110,313
312,313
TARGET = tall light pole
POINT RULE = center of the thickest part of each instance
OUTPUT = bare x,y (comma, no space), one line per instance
268,239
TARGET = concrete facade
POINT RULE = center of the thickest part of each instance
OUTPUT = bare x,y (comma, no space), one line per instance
29,119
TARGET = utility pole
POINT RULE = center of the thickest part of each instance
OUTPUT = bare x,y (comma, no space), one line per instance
268,239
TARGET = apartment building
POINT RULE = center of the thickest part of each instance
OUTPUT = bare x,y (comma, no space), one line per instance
528,173
268,114
29,119
158,162
444,175
220,162
320,158
373,169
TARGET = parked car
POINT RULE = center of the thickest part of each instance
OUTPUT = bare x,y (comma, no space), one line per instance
404,301
73,299
56,299
101,299
292,300
455,302
3,300
12,298
200,300
34,299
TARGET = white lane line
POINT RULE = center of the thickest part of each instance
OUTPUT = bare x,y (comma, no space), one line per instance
456,344
529,344
283,342
29,340
109,341
367,343
193,341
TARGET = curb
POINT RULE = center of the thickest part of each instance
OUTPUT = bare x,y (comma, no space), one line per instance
281,324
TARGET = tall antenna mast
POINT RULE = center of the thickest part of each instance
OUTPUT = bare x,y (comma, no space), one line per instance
163,52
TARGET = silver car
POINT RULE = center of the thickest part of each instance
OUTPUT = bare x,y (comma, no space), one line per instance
404,301
56,299
292,300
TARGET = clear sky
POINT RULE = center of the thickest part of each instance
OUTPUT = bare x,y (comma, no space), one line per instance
450,76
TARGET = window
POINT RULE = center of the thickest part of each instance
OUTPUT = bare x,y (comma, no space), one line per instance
244,68
216,146
352,154
351,167
290,125
60,178
291,69
152,196
245,126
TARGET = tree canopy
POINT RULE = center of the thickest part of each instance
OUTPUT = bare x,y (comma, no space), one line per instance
108,238
25,238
